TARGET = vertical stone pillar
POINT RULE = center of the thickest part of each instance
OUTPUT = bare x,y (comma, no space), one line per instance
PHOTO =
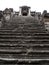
36,16
20,12
29,14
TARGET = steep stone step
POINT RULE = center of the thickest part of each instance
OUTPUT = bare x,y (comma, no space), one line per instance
31,48
24,33
22,30
40,62
12,44
25,40
24,56
23,37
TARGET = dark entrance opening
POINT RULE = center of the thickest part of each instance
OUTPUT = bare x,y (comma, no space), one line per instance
25,10
24,14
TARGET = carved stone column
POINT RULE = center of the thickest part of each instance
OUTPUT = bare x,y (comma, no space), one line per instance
20,12
29,13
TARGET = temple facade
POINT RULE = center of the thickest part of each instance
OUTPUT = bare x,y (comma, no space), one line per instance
24,37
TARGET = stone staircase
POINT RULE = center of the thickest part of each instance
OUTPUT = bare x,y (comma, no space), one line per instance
24,41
